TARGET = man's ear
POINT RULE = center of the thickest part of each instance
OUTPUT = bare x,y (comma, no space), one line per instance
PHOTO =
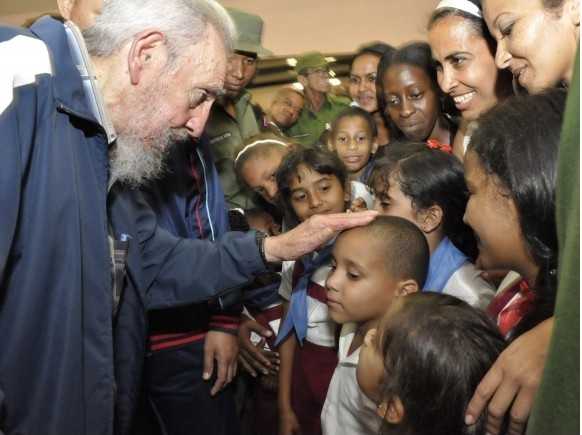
392,411
406,287
144,51
430,219
65,8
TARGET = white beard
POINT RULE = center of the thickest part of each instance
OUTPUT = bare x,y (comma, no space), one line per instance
133,163
138,154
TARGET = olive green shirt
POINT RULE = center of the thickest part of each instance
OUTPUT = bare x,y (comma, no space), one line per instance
557,407
311,125
226,135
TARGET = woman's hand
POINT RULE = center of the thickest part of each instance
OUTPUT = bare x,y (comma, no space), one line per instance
512,382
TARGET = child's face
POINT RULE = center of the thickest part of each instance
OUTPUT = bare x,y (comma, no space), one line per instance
314,193
370,370
493,216
390,201
353,142
259,173
359,287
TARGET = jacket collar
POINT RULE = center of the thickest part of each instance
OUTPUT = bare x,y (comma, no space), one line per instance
71,64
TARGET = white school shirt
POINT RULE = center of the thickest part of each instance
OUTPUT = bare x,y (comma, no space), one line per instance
320,328
347,410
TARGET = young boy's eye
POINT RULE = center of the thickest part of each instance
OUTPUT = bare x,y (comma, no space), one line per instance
353,275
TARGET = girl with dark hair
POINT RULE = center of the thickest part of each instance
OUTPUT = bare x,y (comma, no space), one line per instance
536,40
510,168
423,362
256,164
511,179
409,96
310,181
464,53
426,186
362,83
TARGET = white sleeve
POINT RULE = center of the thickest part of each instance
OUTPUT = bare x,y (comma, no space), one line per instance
360,190
466,284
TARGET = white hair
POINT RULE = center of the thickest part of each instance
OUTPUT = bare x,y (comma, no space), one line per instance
183,22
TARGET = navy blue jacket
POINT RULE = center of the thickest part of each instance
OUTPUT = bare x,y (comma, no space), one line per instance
181,208
165,271
56,359
57,374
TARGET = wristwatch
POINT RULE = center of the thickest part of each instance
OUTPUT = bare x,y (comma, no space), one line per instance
260,237
274,266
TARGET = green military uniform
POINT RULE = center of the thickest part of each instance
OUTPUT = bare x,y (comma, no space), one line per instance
227,135
311,125
557,407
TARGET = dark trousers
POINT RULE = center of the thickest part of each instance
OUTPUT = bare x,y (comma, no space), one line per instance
180,399
313,367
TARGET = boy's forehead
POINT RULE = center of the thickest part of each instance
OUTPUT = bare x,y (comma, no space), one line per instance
354,124
357,235
353,120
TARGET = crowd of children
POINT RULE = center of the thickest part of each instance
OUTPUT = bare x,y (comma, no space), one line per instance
393,326
430,224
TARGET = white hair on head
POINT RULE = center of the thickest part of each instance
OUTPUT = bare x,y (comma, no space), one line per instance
183,22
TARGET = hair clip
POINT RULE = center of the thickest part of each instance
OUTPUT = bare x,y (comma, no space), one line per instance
434,144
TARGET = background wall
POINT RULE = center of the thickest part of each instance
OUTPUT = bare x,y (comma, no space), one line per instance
293,26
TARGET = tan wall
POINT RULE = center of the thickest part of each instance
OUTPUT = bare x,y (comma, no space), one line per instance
293,26
337,25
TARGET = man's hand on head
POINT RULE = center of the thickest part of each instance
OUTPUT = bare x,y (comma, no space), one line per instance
311,234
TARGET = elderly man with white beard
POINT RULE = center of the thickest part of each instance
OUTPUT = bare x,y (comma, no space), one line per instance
74,287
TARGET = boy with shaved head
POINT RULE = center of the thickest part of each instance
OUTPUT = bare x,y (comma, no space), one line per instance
372,266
